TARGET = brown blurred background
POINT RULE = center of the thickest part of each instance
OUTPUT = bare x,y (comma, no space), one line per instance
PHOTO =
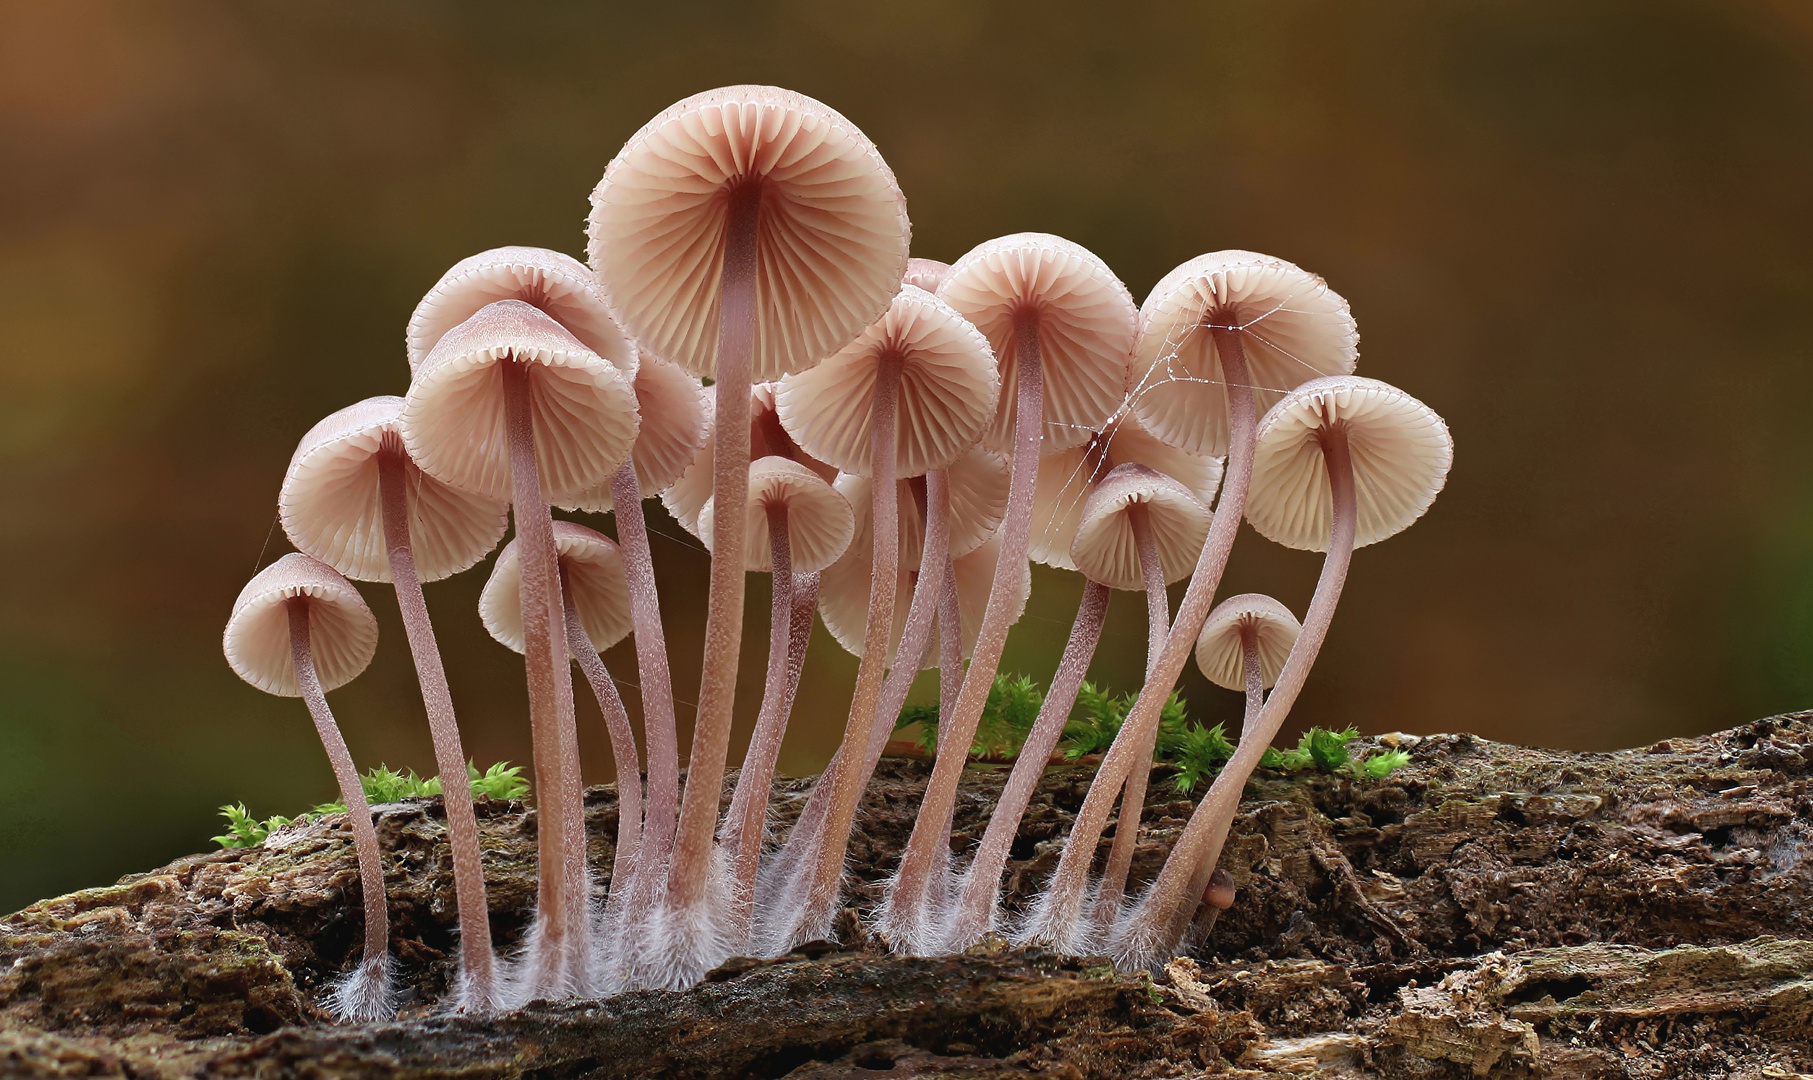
1582,231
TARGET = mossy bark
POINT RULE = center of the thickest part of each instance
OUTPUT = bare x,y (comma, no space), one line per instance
1488,910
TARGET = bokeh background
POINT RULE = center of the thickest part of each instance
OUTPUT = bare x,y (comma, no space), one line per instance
1583,231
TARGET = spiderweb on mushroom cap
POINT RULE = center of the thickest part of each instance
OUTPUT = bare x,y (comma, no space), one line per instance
1292,327
593,577
331,508
831,244
558,284
343,635
1401,452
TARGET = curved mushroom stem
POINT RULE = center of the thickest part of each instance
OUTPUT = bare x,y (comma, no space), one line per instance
658,726
825,881
1133,795
365,995
478,987
1058,914
743,824
906,914
698,943
557,959
950,639
627,861
1255,700
1153,930
980,888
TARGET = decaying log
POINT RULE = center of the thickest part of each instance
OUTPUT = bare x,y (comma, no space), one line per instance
1488,910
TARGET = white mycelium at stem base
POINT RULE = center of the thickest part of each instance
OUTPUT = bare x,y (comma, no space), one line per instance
1196,390
299,629
1347,462
743,233
353,499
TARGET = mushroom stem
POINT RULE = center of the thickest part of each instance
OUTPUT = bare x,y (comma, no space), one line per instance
690,875
1058,915
557,953
819,903
478,988
1255,700
905,912
658,726
1158,923
1133,794
742,832
980,888
950,639
626,863
373,1003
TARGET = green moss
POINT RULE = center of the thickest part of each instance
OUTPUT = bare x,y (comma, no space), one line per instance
382,785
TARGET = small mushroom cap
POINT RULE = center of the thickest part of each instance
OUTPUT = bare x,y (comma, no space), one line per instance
685,497
1293,328
927,274
1086,321
948,387
1219,894
342,633
331,508
558,284
675,418
1068,477
843,595
831,243
1220,652
1104,548
584,409
593,571
819,521
978,486
1401,453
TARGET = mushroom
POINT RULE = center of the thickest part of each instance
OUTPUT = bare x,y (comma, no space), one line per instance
595,595
687,495
799,525
1341,462
743,233
353,499
927,274
299,629
509,404
674,426
1061,325
910,394
1140,529
1222,330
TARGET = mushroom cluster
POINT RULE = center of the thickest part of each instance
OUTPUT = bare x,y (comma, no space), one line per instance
894,440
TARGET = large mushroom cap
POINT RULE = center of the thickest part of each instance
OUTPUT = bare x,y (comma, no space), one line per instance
948,386
584,409
1401,453
1220,652
558,284
843,595
592,576
1086,321
831,241
927,274
1069,477
1104,548
675,418
1293,328
978,486
331,507
819,522
685,497
343,635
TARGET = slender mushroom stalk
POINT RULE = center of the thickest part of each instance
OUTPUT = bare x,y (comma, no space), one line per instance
1197,391
1058,314
623,750
790,219
300,629
508,403
1310,481
353,499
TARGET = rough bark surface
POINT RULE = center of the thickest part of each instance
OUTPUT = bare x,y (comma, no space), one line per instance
1489,910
